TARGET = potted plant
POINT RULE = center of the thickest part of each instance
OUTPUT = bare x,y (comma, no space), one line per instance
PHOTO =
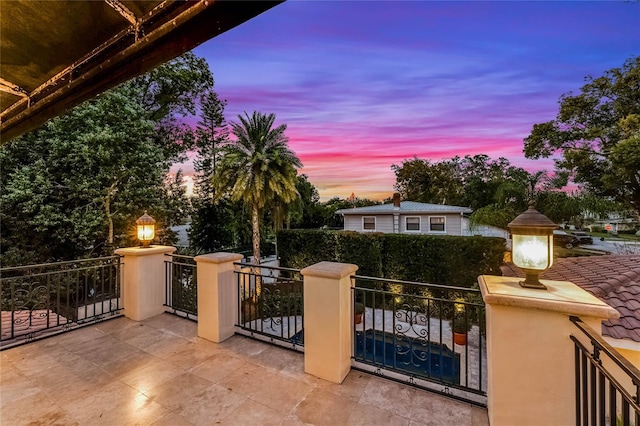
358,310
461,325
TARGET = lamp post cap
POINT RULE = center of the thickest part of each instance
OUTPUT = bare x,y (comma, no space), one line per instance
532,218
145,219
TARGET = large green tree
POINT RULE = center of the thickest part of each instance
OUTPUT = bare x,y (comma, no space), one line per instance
307,212
472,181
425,181
329,208
211,135
79,178
75,186
597,134
494,189
257,168
214,224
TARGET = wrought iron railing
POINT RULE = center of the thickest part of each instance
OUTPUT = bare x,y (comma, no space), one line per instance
271,304
181,285
40,300
431,336
607,385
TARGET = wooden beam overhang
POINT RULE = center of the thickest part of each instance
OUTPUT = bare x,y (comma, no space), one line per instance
14,89
123,11
168,30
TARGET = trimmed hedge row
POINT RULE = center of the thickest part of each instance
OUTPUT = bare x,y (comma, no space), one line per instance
442,259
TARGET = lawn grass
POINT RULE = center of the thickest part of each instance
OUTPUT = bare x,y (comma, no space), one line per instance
560,252
609,237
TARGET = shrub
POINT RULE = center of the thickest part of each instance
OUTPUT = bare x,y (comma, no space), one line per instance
302,247
461,322
631,231
445,259
364,250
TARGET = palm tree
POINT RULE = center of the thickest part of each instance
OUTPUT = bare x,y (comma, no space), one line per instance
257,168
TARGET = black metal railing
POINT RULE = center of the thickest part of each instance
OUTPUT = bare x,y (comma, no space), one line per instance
431,336
40,300
607,385
181,285
271,304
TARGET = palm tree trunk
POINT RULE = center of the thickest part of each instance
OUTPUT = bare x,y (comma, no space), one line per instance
255,223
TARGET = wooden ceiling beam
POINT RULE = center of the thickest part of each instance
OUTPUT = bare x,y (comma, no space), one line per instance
196,24
123,11
14,89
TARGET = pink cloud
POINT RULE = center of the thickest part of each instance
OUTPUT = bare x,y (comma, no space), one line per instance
364,85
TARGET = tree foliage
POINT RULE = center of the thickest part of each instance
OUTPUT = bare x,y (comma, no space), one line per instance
429,182
173,89
472,181
597,133
214,226
211,135
495,190
83,175
257,168
75,186
306,211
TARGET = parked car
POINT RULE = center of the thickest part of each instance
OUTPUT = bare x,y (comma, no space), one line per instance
562,239
583,237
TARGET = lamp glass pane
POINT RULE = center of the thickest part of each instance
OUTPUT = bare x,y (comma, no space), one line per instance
531,251
146,232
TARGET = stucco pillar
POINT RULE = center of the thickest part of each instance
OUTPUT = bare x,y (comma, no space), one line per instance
217,295
530,358
327,320
143,282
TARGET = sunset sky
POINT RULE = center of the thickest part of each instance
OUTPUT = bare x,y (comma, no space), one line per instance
364,85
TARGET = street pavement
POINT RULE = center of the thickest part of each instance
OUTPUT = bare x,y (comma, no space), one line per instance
614,246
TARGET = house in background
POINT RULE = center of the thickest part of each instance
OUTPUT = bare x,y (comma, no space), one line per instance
407,217
484,230
611,222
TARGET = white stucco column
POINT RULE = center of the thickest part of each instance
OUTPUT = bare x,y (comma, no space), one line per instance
217,295
530,357
327,320
143,282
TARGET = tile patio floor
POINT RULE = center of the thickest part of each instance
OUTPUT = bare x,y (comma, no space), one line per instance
158,372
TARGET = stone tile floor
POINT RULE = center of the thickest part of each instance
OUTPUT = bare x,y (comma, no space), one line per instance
158,372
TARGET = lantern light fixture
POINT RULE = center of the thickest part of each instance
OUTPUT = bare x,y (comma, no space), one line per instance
532,245
146,229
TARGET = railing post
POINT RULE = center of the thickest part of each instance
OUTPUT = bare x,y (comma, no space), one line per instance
327,320
143,286
217,295
530,357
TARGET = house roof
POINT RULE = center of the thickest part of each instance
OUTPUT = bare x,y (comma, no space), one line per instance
613,279
56,54
406,207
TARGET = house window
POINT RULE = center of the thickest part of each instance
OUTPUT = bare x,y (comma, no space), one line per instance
369,223
413,224
436,224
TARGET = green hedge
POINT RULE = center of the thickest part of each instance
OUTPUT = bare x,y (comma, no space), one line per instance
445,259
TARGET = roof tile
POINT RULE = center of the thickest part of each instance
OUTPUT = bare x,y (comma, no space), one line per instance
613,279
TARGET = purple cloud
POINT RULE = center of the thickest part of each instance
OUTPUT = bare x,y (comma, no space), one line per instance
363,85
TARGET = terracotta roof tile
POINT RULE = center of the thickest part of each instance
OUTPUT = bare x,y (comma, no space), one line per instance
613,279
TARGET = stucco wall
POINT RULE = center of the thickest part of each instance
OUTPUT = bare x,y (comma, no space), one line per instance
627,348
